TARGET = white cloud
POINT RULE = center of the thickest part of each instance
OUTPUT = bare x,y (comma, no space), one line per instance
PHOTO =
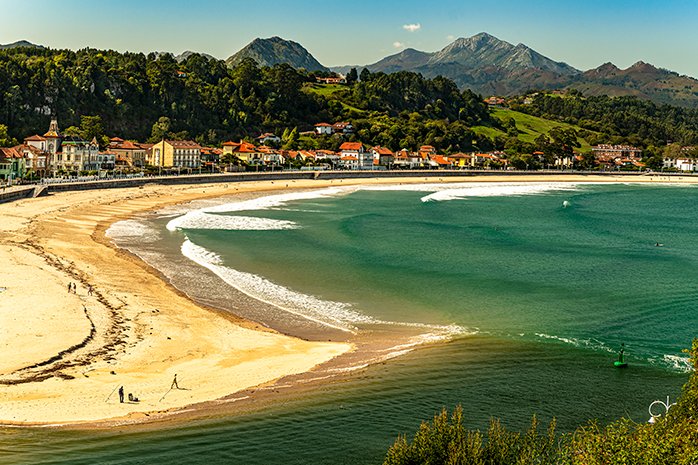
451,37
398,44
412,27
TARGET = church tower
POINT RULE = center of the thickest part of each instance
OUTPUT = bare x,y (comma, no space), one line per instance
53,137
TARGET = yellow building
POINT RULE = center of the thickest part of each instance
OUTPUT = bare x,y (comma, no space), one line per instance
245,151
176,153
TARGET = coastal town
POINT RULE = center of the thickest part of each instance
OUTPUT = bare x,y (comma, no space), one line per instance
53,154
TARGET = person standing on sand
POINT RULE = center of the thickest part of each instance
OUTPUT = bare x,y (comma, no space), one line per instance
174,384
70,287
121,394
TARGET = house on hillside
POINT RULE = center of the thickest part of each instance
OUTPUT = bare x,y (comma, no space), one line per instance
495,101
323,129
342,127
331,80
268,137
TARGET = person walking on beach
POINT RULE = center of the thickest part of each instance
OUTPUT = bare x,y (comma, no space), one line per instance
70,287
75,288
121,394
89,290
174,384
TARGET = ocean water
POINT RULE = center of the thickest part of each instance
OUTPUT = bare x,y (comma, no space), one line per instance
531,300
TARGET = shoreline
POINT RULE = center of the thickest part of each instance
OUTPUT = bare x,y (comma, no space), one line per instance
34,238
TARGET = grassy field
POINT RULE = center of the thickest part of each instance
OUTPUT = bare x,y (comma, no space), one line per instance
529,126
324,89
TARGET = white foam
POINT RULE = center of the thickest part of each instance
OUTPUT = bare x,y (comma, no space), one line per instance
337,315
133,229
495,190
194,218
203,220
588,343
678,362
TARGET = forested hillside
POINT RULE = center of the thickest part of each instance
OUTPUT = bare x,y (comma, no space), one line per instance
146,97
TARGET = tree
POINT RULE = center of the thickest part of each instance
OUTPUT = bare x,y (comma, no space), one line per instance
91,127
5,139
365,75
352,76
292,140
160,129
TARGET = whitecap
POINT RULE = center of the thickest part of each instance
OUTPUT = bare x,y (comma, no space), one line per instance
203,220
133,229
678,362
194,218
495,190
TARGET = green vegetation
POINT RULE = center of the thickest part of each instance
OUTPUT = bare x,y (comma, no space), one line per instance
673,439
619,119
530,127
139,97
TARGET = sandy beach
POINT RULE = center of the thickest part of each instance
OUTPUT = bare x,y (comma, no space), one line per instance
64,355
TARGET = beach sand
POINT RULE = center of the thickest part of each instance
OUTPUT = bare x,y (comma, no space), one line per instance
63,355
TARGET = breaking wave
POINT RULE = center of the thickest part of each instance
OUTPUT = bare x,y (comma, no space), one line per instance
495,190
202,218
131,229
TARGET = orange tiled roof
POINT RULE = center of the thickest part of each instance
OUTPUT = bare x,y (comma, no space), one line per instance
382,150
35,138
351,146
9,152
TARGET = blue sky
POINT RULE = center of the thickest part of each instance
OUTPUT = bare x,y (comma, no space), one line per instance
584,34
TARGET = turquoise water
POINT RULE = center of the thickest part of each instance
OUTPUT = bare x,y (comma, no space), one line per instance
544,296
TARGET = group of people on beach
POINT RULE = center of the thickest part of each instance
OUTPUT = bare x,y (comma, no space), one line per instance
73,289
132,398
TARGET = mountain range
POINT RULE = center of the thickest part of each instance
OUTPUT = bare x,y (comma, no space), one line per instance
488,66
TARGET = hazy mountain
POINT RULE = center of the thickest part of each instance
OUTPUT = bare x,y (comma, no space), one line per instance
275,50
641,80
184,55
20,43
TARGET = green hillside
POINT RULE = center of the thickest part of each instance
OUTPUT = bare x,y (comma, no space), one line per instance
529,126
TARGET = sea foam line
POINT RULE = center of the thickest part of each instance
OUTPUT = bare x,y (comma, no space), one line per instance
337,315
496,190
199,219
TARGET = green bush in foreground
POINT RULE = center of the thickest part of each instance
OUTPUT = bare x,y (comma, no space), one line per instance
671,440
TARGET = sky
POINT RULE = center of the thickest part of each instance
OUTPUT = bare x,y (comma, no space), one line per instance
582,33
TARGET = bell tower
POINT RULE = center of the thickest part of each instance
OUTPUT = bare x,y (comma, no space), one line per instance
53,137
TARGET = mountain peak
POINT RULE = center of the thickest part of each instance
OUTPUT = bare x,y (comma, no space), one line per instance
642,67
20,43
275,50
